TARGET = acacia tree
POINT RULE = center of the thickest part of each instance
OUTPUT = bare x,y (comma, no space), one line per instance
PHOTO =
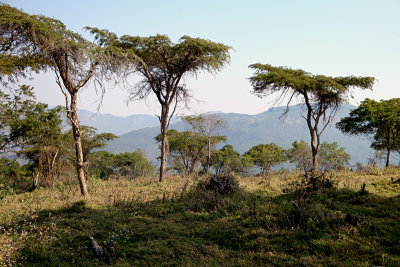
208,126
381,120
321,95
15,65
163,67
74,60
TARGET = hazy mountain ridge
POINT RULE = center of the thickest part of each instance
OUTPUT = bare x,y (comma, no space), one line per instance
118,125
245,131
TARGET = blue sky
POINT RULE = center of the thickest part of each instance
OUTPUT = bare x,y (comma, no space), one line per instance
336,38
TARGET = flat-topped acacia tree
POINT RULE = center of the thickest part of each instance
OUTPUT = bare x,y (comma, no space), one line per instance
321,95
74,60
163,66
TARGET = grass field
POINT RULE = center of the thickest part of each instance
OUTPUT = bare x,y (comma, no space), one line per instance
276,222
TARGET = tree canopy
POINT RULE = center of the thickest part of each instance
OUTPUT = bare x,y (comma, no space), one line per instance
163,67
379,119
321,95
209,126
188,149
226,160
332,157
300,153
265,156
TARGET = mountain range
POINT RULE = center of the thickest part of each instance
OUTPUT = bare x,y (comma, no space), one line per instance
243,131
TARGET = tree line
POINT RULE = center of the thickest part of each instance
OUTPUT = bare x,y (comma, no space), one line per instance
193,152
33,43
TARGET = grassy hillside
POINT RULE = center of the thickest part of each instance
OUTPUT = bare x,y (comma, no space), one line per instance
276,222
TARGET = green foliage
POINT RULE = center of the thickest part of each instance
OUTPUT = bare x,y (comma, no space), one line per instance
41,138
90,140
182,223
379,119
331,91
228,160
300,153
208,126
12,177
163,65
31,130
12,108
102,165
265,156
332,157
74,60
321,95
129,165
40,128
36,39
133,164
188,149
16,58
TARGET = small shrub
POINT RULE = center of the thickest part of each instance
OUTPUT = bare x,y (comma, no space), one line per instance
309,206
219,193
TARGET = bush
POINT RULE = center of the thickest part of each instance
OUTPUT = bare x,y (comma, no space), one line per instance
13,177
308,205
218,193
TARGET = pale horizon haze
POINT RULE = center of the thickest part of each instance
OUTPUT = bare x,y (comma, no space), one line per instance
334,38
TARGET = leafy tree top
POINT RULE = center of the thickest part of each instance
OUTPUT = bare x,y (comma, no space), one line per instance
38,42
266,156
381,119
164,63
317,88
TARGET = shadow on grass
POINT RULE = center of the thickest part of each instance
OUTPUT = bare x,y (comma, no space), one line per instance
205,228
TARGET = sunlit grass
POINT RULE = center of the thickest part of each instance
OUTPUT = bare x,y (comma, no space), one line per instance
178,223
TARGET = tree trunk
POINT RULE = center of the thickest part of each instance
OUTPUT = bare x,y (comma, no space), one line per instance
387,158
35,181
209,155
164,142
73,116
313,134
163,167
314,152
314,149
315,160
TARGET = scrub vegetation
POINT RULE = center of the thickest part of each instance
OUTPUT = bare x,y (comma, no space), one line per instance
294,220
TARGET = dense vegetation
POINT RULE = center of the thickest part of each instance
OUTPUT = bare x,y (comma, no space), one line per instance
215,206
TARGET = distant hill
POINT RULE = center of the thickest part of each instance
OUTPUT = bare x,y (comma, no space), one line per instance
245,131
117,125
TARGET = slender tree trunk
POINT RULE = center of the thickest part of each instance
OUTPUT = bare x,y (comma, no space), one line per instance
209,154
314,152
387,158
315,160
164,142
313,132
78,144
191,169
